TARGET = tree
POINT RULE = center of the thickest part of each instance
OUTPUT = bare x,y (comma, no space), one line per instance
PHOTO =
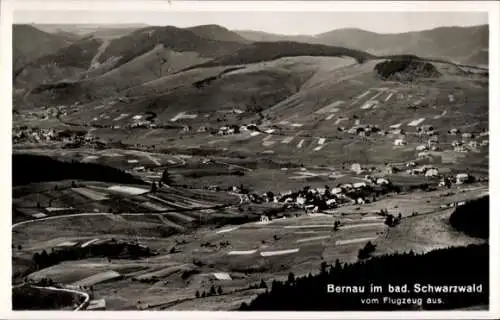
366,251
323,267
153,187
219,290
262,284
19,247
212,290
197,295
165,178
291,278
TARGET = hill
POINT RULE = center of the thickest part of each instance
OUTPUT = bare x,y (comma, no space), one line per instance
216,32
266,51
461,44
66,63
30,43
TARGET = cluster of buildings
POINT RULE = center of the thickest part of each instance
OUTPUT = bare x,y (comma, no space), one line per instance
362,130
34,135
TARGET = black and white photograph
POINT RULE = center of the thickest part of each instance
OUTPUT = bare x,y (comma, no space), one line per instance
250,160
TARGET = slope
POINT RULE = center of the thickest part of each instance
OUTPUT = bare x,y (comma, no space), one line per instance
216,32
29,44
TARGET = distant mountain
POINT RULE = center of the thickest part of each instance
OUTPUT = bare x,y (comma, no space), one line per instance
454,43
216,32
259,36
461,44
29,44
87,29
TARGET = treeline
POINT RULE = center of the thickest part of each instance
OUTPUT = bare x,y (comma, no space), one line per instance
27,168
452,266
473,218
28,298
109,250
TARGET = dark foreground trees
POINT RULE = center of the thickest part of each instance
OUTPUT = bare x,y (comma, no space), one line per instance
473,218
461,266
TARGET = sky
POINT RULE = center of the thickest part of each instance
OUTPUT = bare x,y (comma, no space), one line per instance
291,23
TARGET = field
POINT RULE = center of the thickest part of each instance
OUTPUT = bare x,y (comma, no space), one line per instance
247,253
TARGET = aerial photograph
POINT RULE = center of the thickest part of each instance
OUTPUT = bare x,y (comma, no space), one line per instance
250,161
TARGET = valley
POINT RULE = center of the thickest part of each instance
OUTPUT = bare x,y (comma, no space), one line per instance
190,172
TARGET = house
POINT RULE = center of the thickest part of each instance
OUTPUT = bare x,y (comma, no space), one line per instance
459,149
346,186
421,147
356,167
410,164
389,170
360,201
462,178
431,172
423,154
399,142
139,169
359,185
264,219
382,181
95,305
352,131
331,202
202,129
467,135
484,142
461,203
454,131
473,144
223,130
397,131
300,200
336,191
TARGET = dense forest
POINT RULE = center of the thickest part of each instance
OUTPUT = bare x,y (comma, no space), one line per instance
459,266
112,249
473,218
29,298
28,168
405,68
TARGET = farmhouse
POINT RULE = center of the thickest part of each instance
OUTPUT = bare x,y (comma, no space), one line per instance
356,167
336,191
399,142
454,131
473,144
431,172
421,147
462,178
96,305
382,181
202,129
359,185
423,154
467,135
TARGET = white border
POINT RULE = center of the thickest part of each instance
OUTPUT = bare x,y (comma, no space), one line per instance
7,7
